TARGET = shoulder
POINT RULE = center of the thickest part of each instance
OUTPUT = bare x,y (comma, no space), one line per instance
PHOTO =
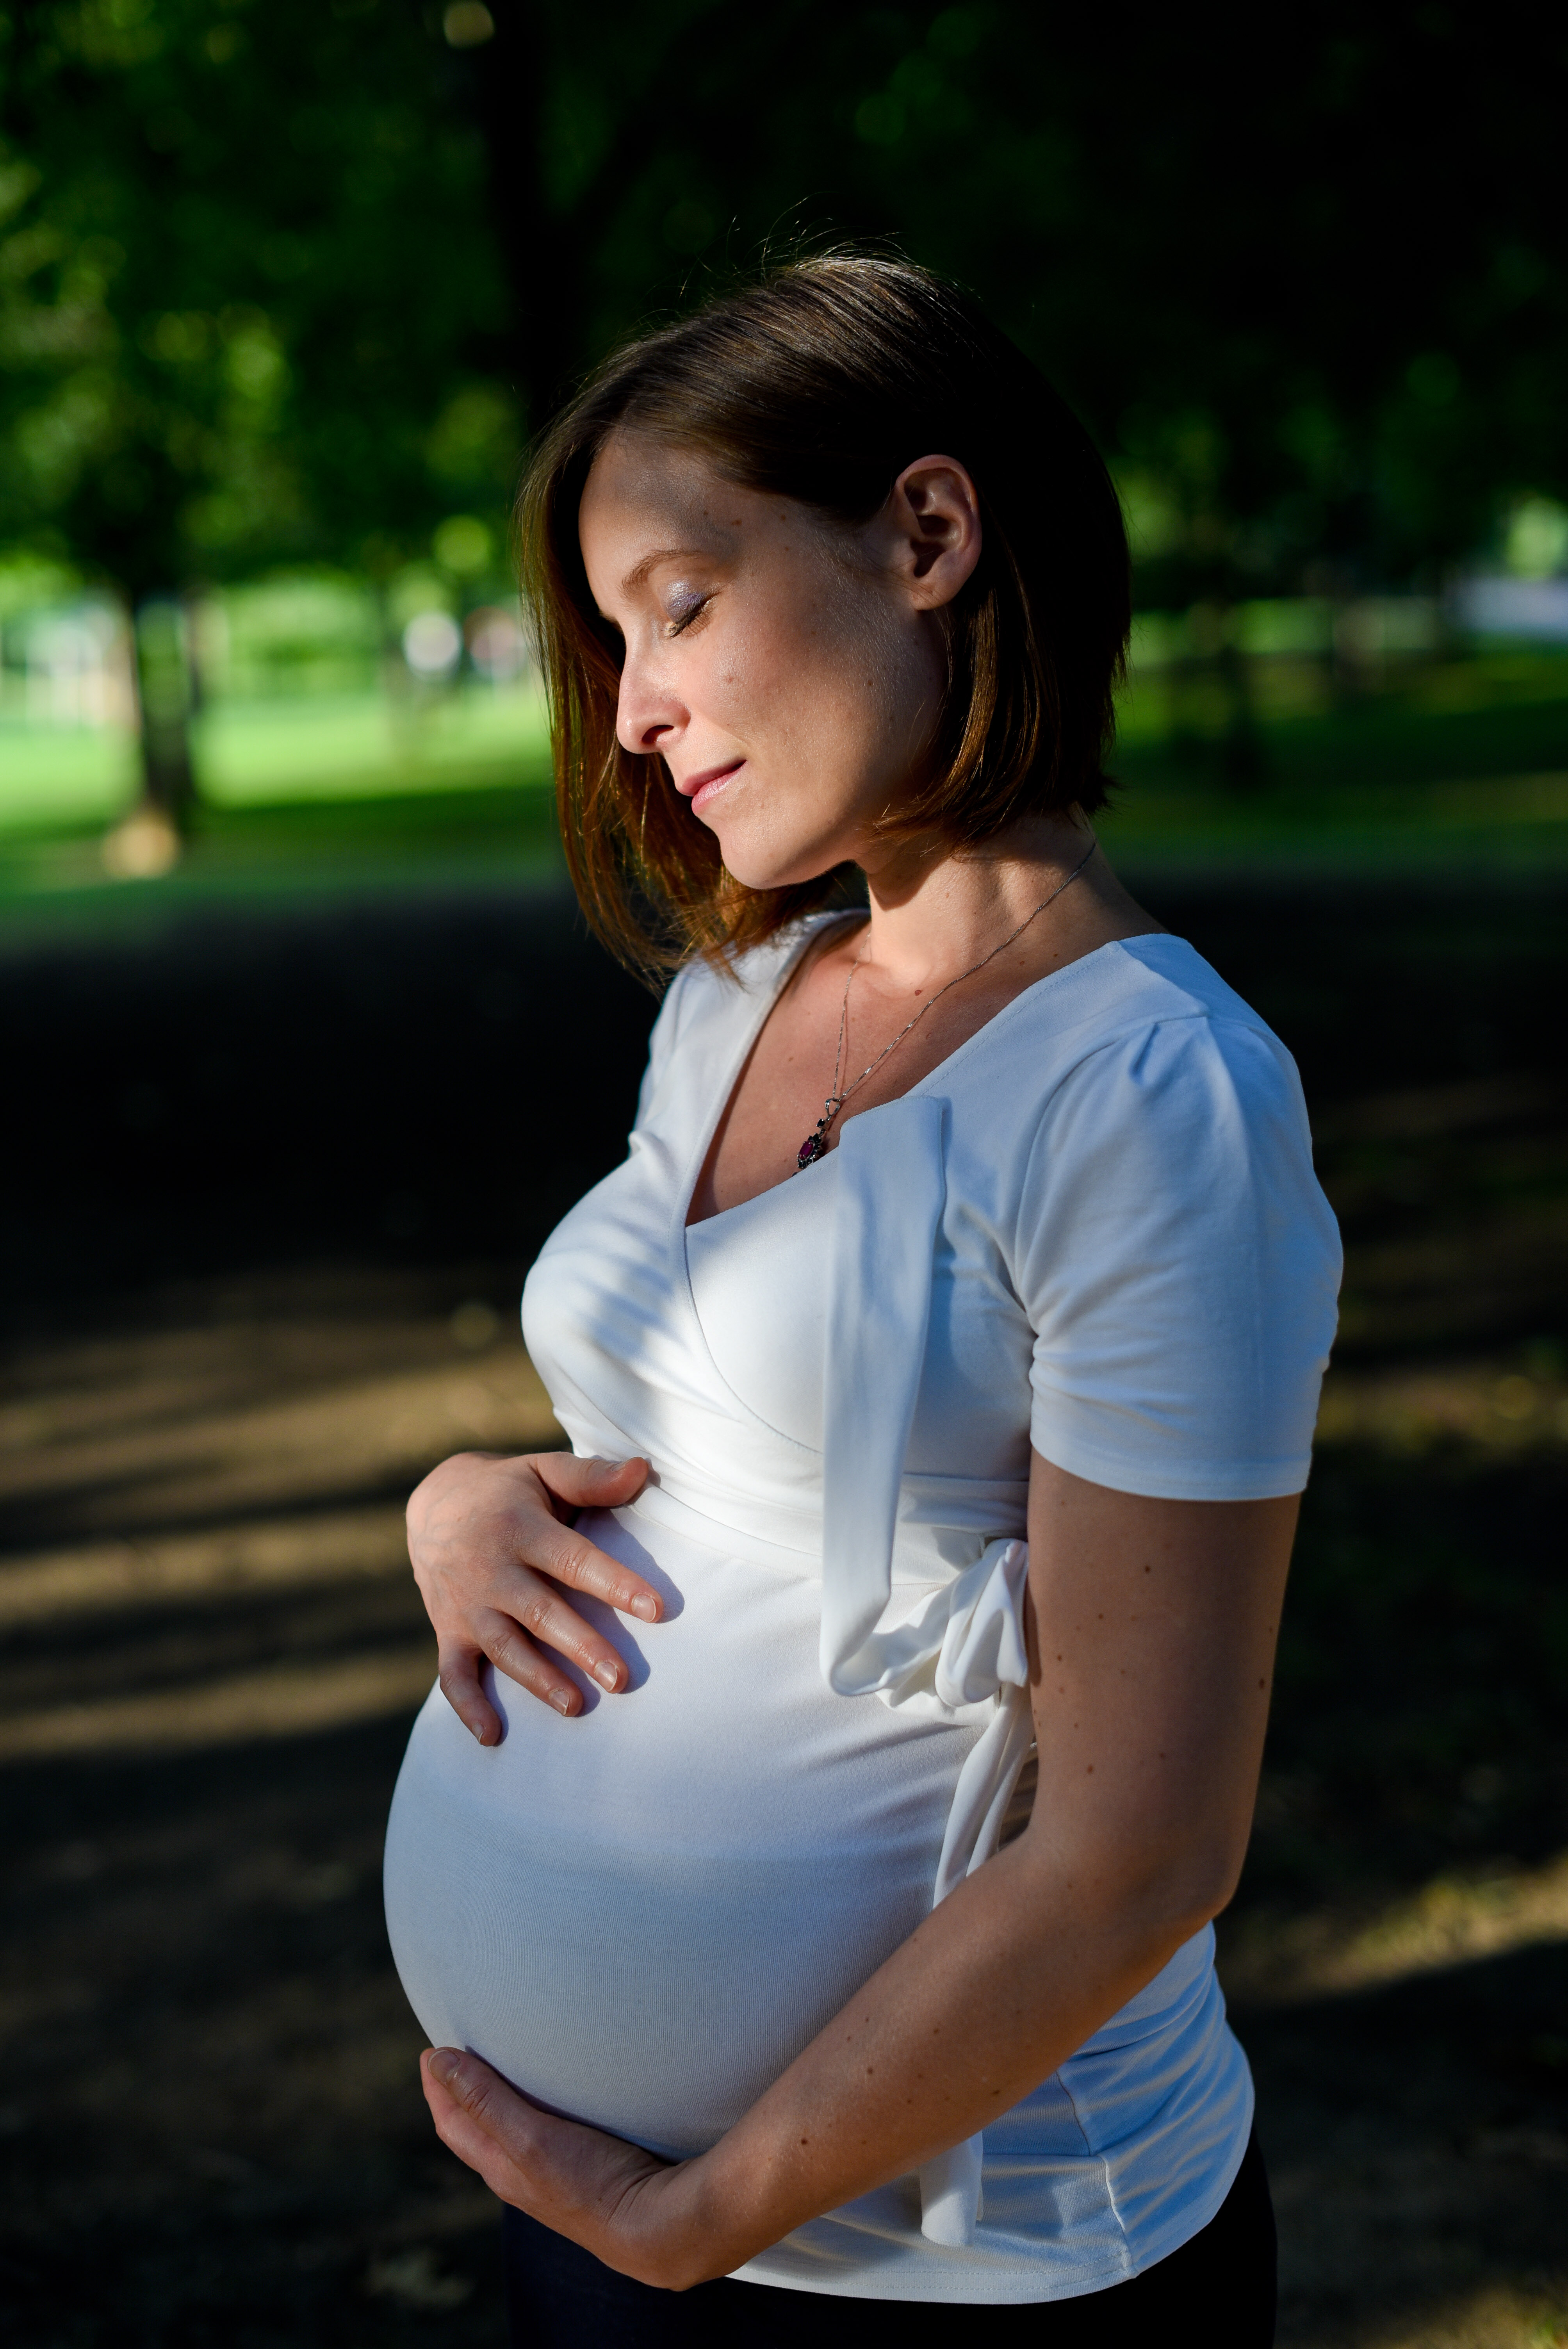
1168,1022
1170,1246
1141,1022
1177,1107
1134,1083
1125,989
1164,1053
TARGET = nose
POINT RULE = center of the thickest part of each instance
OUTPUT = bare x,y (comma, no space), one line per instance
649,716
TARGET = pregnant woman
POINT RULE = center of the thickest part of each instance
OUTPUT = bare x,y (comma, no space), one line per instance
805,1867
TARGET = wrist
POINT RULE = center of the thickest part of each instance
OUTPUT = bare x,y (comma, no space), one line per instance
703,2230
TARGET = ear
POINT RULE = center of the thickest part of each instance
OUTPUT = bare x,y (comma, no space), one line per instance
931,525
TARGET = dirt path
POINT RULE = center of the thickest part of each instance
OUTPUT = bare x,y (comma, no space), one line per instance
213,1652
210,1649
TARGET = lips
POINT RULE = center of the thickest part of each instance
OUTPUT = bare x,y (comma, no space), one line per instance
708,784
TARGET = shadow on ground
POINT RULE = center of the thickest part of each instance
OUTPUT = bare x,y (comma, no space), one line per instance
286,1169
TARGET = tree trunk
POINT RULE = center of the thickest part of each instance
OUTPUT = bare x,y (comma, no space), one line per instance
147,844
166,694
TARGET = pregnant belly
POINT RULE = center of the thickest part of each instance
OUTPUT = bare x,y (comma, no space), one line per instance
641,1916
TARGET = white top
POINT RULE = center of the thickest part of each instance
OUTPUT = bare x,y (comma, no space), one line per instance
1094,1228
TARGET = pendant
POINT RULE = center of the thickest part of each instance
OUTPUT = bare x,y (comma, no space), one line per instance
816,1142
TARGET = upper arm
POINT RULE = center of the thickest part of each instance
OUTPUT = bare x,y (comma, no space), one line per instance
1179,1264
1152,1626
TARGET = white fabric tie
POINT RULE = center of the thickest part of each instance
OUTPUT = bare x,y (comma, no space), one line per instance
963,1646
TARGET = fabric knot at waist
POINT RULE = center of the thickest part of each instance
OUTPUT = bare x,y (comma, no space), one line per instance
960,1652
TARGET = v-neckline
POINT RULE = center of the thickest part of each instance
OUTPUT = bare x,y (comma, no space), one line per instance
736,1064
735,1070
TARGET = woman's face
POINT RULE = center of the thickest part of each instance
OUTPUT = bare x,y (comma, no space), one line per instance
788,671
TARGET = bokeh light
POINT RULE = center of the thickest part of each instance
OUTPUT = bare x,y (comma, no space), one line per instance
432,644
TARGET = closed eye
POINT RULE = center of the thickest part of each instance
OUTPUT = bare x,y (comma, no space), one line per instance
683,620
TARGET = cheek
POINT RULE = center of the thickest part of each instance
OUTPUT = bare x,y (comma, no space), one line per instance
817,676
747,680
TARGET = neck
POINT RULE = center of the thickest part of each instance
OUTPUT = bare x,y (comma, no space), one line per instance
934,912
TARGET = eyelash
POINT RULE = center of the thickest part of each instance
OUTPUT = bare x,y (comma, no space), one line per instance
679,627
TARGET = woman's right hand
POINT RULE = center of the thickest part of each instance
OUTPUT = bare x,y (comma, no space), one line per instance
492,1542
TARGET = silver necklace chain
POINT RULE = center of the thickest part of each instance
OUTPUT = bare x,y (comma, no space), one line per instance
816,1142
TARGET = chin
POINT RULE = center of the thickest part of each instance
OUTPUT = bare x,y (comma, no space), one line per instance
778,864
761,874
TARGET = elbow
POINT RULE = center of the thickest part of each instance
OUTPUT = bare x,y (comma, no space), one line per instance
1157,1894
1199,1890
1189,1885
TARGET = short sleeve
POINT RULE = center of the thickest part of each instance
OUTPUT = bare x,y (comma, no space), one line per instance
1179,1267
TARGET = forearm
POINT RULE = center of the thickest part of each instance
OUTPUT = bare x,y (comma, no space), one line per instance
1152,1636
996,1988
1151,1632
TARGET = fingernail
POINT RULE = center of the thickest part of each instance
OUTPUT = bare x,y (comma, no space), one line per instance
561,1701
647,1607
606,1675
479,1733
444,2064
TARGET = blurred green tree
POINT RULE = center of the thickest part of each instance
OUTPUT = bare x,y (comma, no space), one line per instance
1306,281
287,281
251,303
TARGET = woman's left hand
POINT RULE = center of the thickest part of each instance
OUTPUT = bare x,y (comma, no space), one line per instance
639,2214
1154,1625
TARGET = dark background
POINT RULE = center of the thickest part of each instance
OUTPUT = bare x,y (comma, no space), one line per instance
288,286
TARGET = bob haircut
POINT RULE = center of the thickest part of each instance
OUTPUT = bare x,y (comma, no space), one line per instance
820,383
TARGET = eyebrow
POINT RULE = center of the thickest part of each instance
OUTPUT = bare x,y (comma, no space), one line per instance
637,576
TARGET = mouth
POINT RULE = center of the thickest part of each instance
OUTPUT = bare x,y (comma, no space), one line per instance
707,785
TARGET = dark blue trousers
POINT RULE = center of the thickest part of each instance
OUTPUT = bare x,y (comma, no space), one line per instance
1217,2292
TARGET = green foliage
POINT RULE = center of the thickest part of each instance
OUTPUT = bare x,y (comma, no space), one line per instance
248,295
1306,284
31,583
285,283
287,634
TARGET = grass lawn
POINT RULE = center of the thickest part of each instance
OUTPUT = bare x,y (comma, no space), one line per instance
370,745
1456,764
339,791
1462,765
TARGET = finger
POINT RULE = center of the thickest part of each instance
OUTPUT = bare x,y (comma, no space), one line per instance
553,2153
537,1613
464,2136
571,1558
590,1483
461,1687
505,1645
578,2181
474,2108
600,1484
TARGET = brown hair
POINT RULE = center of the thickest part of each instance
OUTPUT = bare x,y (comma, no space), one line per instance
820,384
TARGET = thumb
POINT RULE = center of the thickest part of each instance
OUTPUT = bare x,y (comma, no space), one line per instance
584,1484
